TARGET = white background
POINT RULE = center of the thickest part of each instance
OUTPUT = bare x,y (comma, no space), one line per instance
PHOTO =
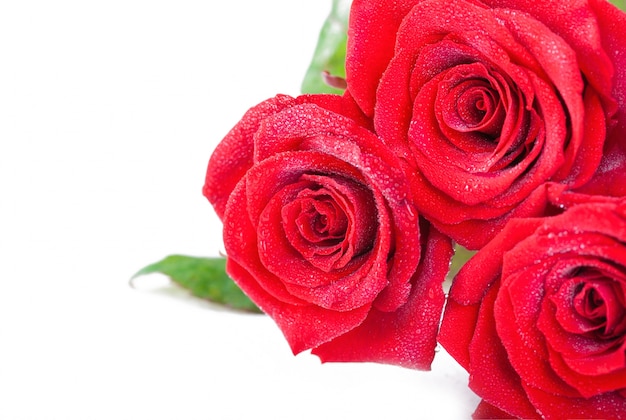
109,111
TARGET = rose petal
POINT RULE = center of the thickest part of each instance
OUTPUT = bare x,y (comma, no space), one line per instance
233,156
488,411
502,386
579,25
349,225
304,327
610,178
475,234
407,336
355,284
582,381
558,61
364,64
240,241
524,344
606,406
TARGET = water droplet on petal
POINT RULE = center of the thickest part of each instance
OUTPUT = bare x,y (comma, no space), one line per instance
410,211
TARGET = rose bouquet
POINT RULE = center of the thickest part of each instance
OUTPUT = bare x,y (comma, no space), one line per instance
493,126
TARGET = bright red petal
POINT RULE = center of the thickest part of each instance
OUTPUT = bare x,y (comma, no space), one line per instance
407,336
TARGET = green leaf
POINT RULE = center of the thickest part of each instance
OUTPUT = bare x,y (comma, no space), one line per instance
461,255
620,4
330,53
205,278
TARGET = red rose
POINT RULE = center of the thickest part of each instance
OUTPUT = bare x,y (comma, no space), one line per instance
322,233
492,100
538,316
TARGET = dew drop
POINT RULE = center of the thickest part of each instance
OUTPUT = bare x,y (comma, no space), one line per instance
410,211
